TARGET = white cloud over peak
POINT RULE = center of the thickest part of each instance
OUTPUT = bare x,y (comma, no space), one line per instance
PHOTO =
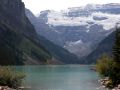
38,5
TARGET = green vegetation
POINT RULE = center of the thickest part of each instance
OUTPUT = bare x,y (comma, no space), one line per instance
115,76
16,48
110,66
9,77
104,65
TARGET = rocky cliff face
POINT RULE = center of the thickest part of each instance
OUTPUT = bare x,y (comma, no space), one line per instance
14,7
18,39
13,14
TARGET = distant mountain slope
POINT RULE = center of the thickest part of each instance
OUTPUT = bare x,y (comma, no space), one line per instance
57,51
78,29
104,47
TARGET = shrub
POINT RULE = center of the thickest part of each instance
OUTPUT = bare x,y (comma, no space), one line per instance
104,65
107,67
10,77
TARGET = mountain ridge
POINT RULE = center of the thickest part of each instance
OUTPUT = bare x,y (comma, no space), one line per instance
60,53
105,47
89,24
19,42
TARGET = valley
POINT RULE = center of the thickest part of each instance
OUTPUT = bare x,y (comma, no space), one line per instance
77,29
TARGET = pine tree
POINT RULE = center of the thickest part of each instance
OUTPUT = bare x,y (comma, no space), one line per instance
116,47
110,66
115,75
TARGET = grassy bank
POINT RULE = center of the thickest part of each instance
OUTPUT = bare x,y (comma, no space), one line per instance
10,77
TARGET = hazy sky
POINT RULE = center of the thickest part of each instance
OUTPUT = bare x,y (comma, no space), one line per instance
38,5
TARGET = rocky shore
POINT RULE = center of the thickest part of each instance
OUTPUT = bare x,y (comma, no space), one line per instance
117,88
106,82
5,88
8,88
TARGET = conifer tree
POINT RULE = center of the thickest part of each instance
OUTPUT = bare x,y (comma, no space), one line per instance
115,75
116,47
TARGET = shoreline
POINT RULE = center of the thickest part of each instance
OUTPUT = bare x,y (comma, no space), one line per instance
105,82
19,88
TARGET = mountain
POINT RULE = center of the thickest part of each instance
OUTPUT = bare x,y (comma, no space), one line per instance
19,42
61,54
77,29
105,46
57,51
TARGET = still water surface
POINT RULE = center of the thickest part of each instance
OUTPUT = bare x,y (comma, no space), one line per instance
60,77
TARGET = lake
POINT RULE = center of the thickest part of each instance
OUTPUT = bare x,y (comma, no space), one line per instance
60,77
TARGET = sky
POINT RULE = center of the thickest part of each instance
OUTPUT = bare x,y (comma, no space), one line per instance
39,5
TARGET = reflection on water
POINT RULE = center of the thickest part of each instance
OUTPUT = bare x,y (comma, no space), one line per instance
60,77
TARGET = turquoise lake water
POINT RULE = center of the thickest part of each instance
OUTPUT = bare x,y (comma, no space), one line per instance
60,77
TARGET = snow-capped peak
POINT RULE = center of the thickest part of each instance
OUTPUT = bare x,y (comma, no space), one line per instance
80,16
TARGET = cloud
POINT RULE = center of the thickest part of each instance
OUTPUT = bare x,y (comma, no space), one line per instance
38,5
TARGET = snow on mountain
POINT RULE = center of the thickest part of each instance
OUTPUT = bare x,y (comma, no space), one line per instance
108,21
79,29
78,47
61,20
